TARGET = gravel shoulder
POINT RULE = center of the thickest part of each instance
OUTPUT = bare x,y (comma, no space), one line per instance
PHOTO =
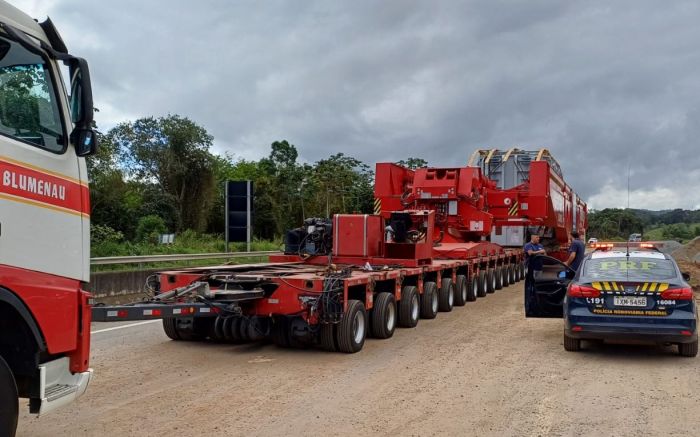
482,369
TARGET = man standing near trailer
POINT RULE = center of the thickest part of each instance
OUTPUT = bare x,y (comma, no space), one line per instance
532,249
576,252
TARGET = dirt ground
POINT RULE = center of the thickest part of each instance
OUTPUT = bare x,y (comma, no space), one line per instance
480,370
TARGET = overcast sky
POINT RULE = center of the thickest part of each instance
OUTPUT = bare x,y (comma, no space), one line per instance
601,85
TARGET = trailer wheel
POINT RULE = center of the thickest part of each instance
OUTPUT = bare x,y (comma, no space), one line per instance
521,271
170,328
504,277
409,307
352,329
219,328
483,284
429,301
384,315
688,349
243,327
327,337
572,344
9,401
511,274
473,289
500,283
280,332
491,284
461,291
446,296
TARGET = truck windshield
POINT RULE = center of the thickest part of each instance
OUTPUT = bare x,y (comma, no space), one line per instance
29,109
630,269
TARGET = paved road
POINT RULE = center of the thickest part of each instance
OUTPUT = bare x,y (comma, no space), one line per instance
480,370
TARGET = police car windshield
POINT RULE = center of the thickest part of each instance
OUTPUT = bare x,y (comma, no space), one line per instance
631,269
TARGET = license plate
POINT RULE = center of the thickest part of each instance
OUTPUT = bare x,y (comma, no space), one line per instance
630,301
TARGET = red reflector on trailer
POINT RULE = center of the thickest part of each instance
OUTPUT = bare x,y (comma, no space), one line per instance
122,313
686,333
576,290
577,329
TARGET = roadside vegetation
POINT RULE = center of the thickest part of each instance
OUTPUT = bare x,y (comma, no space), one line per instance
617,224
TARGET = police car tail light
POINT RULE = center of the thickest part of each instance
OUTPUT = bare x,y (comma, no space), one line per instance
576,290
678,294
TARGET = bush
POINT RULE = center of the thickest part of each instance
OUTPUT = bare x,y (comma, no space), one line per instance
149,228
104,234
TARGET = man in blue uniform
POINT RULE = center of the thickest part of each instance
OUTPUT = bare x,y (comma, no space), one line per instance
576,253
532,249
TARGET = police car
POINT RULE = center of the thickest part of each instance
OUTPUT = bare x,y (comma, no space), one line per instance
633,292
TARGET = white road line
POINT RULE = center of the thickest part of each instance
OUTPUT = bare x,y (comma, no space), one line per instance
124,326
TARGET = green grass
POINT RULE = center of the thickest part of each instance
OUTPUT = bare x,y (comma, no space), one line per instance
657,233
187,242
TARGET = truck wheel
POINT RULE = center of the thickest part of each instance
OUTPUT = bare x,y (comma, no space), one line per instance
491,284
170,328
472,288
352,329
506,278
572,344
498,274
327,337
461,291
446,296
384,316
409,307
279,331
9,401
483,284
521,271
688,349
511,274
219,328
429,301
243,327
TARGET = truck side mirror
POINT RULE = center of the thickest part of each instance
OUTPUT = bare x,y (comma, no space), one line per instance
81,108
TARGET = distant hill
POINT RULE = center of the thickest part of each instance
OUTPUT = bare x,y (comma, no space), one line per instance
675,224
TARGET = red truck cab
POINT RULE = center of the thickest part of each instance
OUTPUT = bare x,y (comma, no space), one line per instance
45,133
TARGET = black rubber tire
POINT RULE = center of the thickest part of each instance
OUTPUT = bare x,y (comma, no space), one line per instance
257,328
226,328
219,329
9,402
461,291
243,327
482,284
279,332
446,295
429,301
491,275
170,328
572,344
352,329
326,337
511,274
409,307
499,278
504,275
521,270
688,349
383,315
235,329
473,288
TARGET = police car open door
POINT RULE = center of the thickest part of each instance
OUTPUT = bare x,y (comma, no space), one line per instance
544,294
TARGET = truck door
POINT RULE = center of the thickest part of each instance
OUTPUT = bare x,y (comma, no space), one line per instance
43,192
544,295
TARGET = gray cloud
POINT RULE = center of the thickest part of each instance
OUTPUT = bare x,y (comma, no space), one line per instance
602,85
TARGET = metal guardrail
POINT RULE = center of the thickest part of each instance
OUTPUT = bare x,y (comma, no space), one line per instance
142,259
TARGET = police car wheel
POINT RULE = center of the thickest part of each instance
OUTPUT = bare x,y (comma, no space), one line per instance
688,349
572,344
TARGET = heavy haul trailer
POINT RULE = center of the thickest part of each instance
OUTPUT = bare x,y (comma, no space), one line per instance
369,283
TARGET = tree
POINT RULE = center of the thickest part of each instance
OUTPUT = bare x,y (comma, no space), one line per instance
413,163
173,153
